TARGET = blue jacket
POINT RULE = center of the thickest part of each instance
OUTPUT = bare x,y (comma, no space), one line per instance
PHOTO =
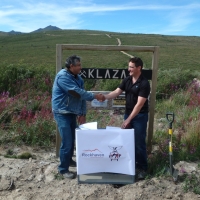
68,94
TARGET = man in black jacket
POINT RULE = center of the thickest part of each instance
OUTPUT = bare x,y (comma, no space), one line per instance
137,90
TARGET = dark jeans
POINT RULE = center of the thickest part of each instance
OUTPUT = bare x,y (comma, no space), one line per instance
139,123
66,125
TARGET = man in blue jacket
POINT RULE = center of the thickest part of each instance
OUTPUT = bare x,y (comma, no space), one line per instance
69,106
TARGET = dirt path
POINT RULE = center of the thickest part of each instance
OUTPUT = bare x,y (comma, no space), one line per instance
119,44
37,179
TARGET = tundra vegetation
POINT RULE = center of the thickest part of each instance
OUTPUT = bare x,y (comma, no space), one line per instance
27,71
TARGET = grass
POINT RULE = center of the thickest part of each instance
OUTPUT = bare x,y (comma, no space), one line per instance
39,49
58,176
25,155
191,183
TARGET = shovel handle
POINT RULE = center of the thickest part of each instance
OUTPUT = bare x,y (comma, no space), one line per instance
171,119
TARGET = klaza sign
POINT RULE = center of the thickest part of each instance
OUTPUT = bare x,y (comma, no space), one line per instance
105,150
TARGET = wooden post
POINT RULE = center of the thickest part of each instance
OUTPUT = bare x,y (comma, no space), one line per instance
152,99
58,57
58,68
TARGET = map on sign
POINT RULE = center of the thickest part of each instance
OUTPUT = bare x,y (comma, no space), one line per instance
119,101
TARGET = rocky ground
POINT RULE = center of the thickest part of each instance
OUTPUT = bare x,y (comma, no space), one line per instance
25,179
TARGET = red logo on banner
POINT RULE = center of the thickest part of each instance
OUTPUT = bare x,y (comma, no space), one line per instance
114,155
93,150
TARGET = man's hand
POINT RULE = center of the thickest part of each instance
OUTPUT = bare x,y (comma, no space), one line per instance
81,120
125,124
100,97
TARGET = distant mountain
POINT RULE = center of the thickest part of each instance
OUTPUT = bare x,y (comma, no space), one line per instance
14,32
3,33
48,28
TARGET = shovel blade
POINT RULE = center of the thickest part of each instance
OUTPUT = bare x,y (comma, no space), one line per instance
175,174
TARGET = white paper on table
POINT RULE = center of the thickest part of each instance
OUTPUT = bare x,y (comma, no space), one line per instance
112,127
88,126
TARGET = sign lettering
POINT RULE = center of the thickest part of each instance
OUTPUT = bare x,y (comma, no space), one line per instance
107,74
92,73
99,77
116,71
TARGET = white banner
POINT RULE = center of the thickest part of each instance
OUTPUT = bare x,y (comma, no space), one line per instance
105,150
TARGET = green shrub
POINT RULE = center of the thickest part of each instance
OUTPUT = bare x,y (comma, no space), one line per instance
12,78
191,183
19,78
171,80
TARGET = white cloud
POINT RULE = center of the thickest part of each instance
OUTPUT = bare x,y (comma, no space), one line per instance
30,15
178,21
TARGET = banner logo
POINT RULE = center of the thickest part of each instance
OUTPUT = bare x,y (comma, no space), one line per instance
95,153
114,155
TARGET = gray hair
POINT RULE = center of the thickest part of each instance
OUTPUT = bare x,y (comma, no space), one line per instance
72,60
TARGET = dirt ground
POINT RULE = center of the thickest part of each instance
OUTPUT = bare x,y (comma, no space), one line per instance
33,179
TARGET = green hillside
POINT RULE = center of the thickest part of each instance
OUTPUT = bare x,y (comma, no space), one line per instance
39,49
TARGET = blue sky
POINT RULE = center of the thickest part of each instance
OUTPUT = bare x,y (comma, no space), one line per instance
177,17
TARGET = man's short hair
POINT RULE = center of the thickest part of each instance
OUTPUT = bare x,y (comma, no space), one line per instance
138,62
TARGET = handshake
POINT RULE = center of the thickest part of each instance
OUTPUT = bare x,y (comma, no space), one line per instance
100,97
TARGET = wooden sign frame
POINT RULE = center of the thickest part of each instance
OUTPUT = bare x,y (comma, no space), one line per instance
152,49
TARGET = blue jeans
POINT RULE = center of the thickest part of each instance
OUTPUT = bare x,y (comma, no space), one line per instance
66,125
139,123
